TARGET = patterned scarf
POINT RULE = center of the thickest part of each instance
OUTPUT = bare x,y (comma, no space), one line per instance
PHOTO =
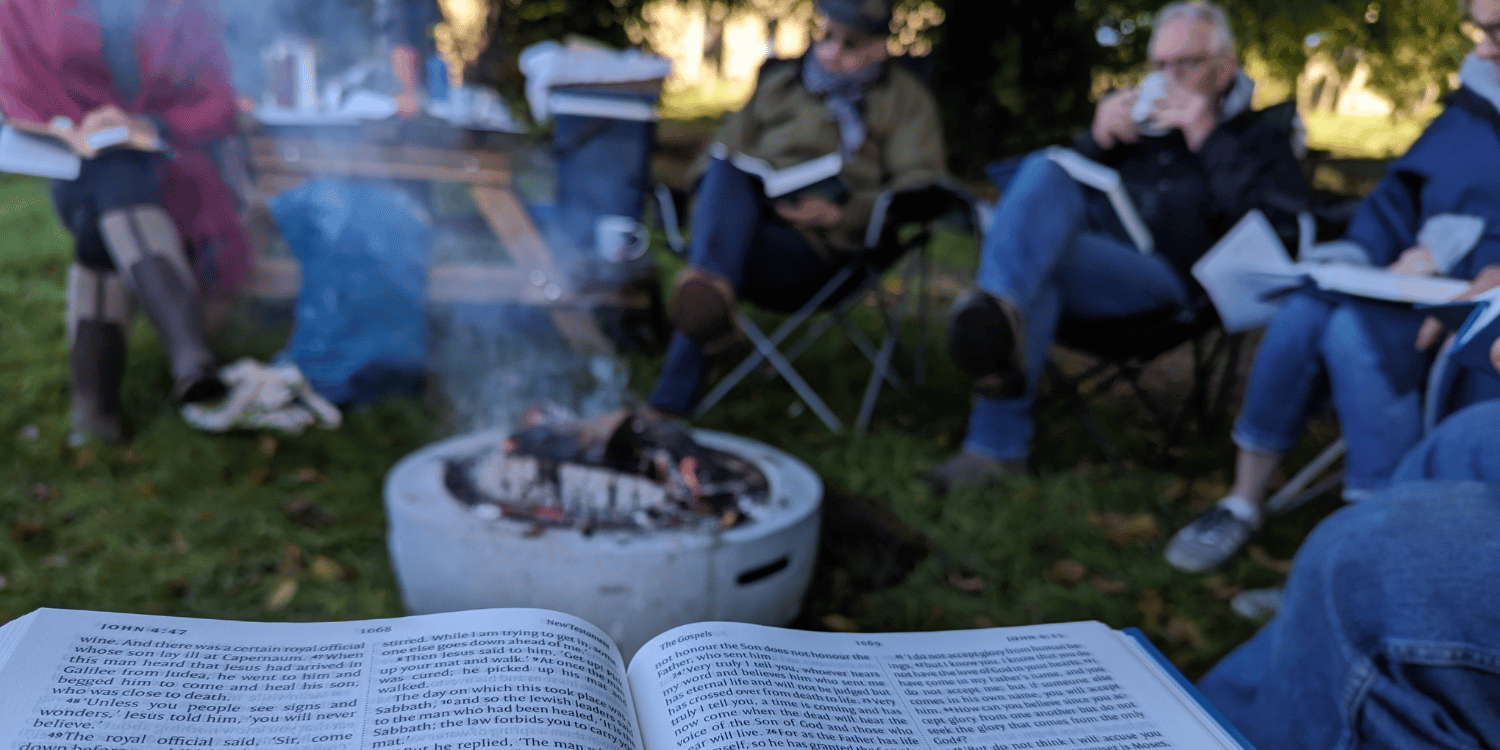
844,94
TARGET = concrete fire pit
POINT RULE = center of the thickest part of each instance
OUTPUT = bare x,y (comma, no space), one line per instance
633,584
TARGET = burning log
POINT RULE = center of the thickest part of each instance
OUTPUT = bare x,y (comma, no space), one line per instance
623,470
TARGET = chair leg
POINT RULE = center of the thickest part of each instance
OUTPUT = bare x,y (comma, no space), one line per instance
1101,437
880,366
808,395
1296,491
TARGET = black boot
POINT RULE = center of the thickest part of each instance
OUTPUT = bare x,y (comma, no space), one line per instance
96,364
145,245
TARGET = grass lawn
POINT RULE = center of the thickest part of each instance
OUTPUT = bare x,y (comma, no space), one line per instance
265,527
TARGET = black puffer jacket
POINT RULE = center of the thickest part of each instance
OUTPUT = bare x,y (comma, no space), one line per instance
1189,200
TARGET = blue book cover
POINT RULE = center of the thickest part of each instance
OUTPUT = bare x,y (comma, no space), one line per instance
1187,687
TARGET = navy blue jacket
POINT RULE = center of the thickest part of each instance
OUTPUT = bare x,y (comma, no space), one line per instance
1454,167
1189,200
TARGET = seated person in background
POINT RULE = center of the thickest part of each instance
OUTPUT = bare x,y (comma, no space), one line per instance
155,75
1388,635
1361,353
1055,250
407,26
841,97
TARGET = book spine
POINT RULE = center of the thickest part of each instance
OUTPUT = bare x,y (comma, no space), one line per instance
1171,670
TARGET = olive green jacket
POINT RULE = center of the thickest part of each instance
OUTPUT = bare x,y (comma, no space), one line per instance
785,124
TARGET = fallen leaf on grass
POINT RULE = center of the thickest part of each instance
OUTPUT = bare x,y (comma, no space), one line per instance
983,621
1183,630
326,568
1126,529
840,623
303,511
258,476
1151,607
29,433
1025,493
130,458
43,493
146,489
309,474
936,613
966,584
1067,572
179,543
85,458
291,561
266,446
281,596
1108,586
1219,588
178,585
1260,556
53,561
4,583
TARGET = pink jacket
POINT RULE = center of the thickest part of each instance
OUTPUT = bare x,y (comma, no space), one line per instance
52,64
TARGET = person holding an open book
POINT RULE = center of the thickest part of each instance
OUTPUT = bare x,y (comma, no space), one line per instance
136,89
791,183
1187,152
1436,212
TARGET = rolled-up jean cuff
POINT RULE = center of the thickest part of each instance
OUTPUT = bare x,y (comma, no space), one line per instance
1257,444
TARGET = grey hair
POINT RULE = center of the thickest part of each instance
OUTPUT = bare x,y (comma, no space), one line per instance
1221,40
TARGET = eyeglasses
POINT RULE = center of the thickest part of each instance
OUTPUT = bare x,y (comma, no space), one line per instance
841,38
1479,32
1184,64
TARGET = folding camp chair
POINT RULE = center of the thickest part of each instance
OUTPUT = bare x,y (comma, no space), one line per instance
901,225
1122,349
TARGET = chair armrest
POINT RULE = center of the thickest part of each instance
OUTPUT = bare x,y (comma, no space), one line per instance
922,203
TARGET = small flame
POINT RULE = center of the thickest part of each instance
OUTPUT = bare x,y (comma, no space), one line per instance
689,468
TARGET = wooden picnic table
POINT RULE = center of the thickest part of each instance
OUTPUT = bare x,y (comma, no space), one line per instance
283,157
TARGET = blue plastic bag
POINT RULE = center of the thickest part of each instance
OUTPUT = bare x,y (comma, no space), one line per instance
360,332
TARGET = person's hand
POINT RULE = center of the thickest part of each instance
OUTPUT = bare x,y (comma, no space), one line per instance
143,134
1113,123
811,211
1432,329
408,103
1188,111
1417,260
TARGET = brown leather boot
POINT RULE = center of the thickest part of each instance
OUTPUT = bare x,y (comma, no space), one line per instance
147,249
98,316
703,307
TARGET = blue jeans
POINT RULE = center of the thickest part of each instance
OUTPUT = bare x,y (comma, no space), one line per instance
737,235
1389,630
1464,447
1359,353
1041,256
1388,634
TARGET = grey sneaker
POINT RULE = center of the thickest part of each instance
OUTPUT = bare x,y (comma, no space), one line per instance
1257,604
1214,536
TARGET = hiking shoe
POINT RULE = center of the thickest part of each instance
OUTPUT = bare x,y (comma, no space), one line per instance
1257,604
1214,536
703,308
970,470
984,341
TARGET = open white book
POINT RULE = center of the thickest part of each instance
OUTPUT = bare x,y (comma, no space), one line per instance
1106,180
519,678
821,173
38,155
1249,264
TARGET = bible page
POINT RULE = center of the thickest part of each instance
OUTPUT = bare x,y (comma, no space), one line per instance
726,686
505,678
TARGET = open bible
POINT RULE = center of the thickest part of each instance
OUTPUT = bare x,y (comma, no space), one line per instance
817,177
1245,272
526,678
